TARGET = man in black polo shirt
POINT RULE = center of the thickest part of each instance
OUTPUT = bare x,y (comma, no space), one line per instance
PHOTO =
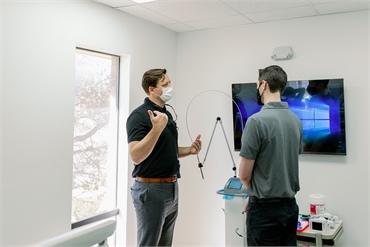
153,148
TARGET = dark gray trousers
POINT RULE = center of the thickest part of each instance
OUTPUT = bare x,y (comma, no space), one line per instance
272,224
156,206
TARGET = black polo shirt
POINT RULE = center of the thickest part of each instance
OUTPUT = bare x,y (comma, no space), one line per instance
163,161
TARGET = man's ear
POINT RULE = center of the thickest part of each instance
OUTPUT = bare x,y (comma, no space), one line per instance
151,89
264,84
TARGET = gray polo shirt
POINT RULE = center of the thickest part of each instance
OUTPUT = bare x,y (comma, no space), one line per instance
273,138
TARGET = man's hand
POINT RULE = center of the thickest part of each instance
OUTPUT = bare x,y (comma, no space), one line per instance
196,146
158,119
246,207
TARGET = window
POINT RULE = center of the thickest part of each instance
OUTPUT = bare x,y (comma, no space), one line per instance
95,134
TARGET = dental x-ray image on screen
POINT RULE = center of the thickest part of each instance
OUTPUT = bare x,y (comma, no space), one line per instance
318,103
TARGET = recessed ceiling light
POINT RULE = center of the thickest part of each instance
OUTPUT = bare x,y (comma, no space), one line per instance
143,1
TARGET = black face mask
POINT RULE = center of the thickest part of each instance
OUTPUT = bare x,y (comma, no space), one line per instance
312,90
259,97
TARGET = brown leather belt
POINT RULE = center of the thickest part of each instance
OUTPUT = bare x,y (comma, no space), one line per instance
157,180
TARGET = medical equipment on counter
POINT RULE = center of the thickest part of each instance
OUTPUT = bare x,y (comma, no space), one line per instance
320,224
302,225
327,216
317,204
324,229
235,196
318,238
323,222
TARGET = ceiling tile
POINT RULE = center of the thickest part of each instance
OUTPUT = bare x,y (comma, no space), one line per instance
220,22
179,27
337,1
339,7
251,6
147,14
190,15
282,14
115,3
188,10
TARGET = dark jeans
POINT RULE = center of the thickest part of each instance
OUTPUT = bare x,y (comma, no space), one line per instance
156,206
272,223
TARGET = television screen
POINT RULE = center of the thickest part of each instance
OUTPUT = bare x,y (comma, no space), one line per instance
318,103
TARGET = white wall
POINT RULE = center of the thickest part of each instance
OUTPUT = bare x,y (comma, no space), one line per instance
335,46
368,117
38,43
37,62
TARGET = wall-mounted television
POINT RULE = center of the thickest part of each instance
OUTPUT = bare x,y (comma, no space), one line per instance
322,115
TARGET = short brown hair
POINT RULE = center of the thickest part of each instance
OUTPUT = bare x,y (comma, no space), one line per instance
275,77
151,78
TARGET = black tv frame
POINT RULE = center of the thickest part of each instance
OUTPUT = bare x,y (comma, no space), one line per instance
245,105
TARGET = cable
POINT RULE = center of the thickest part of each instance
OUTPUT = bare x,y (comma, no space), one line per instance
200,165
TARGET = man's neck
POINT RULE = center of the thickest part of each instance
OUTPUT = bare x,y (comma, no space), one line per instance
157,101
272,97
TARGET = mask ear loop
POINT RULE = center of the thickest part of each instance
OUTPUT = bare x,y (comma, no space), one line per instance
155,92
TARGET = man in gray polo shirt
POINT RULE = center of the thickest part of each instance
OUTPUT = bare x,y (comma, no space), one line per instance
271,144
